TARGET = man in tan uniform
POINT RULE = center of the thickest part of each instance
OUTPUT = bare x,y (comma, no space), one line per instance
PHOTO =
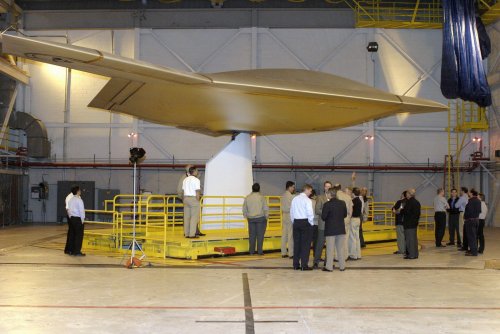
192,194
256,211
348,203
180,194
286,223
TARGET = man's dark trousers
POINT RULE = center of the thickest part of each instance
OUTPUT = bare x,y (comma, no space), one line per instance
465,239
77,239
453,228
470,226
411,242
439,226
302,237
68,249
480,235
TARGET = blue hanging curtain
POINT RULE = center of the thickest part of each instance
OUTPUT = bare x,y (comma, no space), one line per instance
462,71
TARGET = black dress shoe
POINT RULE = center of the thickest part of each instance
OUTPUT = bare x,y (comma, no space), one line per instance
306,268
79,254
396,252
290,257
450,244
315,266
406,257
461,249
440,246
201,234
470,254
296,268
411,258
480,252
324,269
342,269
284,256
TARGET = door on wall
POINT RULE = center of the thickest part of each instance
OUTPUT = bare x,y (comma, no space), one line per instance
64,188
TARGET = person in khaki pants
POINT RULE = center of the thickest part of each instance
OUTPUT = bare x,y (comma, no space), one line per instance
286,223
334,212
192,194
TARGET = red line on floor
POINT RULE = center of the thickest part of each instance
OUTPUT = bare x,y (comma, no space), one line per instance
354,308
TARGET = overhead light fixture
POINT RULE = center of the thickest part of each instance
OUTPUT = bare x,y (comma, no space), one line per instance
372,47
368,137
132,135
476,139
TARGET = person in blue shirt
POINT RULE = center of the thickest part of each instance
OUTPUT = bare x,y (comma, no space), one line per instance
461,203
453,219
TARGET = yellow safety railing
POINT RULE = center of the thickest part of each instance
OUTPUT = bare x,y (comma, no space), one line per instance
275,214
383,215
398,14
102,228
222,213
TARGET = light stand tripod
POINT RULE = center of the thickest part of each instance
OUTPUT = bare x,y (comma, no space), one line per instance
136,154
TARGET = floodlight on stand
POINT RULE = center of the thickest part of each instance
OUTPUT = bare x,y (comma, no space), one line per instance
372,47
137,155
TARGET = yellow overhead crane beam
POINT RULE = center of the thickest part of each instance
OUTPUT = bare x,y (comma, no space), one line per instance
411,14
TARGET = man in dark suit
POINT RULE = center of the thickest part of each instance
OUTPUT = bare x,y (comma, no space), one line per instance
333,213
471,221
411,217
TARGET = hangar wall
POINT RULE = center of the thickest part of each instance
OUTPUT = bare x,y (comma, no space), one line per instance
407,63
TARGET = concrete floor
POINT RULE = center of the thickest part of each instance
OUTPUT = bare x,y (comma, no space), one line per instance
44,291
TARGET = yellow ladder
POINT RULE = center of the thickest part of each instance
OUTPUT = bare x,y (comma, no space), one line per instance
463,117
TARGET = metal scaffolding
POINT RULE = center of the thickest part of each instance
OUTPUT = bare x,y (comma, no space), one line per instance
412,14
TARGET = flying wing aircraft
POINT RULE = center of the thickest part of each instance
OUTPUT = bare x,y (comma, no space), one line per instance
262,101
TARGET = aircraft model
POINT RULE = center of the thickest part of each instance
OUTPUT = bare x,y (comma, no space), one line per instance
262,101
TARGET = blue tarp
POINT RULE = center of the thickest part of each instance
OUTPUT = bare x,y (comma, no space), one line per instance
462,70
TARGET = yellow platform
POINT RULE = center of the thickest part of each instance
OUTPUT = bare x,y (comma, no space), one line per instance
159,230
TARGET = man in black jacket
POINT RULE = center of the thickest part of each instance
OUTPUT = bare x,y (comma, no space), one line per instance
411,217
333,213
471,221
400,231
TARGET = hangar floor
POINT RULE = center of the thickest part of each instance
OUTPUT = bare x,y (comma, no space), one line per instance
44,291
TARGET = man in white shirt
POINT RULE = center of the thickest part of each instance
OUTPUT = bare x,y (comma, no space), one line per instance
180,193
192,194
76,213
461,203
302,217
482,219
440,207
67,249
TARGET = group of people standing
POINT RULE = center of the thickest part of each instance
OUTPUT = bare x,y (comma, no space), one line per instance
333,218
466,216
407,212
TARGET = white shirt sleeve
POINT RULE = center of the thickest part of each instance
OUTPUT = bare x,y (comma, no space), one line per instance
82,210
310,212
